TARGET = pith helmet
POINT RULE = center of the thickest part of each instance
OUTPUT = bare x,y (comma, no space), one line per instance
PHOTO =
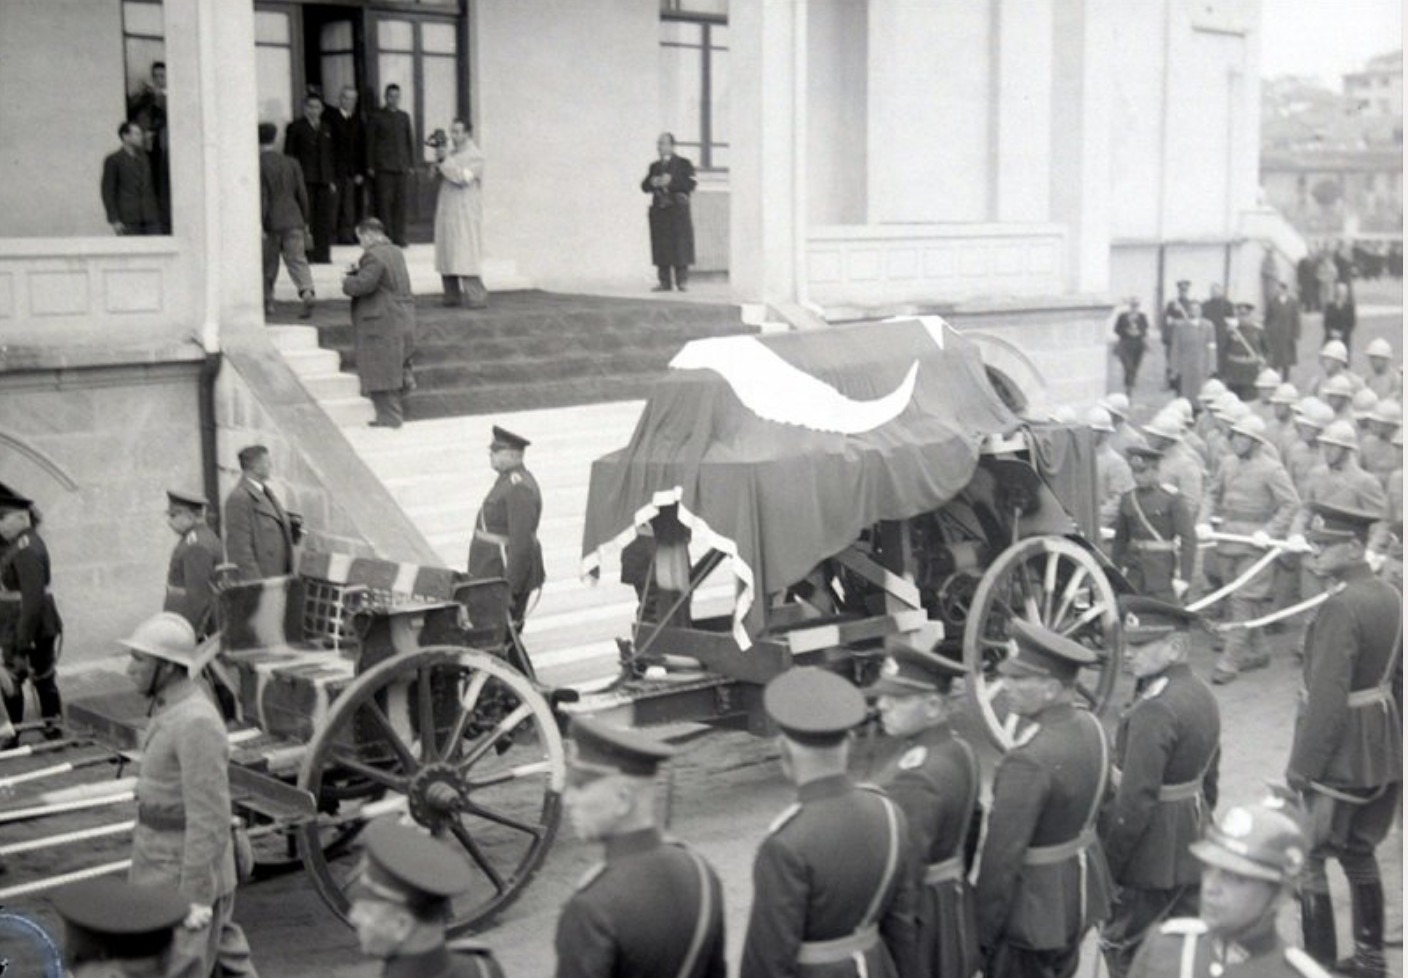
1262,841
1314,412
1335,350
1379,347
169,636
1166,425
1251,425
1231,409
1337,386
1117,404
1098,419
1285,394
1210,389
1268,378
1387,411
1362,405
1340,433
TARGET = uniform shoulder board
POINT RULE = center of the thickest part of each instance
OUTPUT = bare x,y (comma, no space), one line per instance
788,813
1304,964
1169,488
914,757
515,478
191,538
591,876
1183,926
1027,736
1154,688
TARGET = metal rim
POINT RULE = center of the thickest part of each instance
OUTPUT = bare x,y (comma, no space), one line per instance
1053,582
488,781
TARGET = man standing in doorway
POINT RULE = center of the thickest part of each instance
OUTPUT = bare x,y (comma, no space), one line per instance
129,191
309,142
391,154
349,161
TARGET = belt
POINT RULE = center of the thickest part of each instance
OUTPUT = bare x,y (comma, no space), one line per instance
1060,852
1244,517
839,949
1157,546
162,819
948,871
499,539
1183,791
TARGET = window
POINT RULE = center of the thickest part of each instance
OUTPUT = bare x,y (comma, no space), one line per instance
694,79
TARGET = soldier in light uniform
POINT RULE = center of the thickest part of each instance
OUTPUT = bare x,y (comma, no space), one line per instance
190,574
832,894
31,631
1347,753
934,777
401,898
1155,545
1208,394
1165,779
1182,409
1281,430
1334,362
1377,453
654,906
1179,467
1125,433
1382,378
1266,385
1042,880
1226,412
182,837
1112,475
1254,497
505,542
1251,860
1361,406
113,929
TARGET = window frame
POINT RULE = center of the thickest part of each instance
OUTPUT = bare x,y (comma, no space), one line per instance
707,22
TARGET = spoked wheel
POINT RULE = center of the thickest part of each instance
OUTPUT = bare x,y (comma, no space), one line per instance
464,747
1053,582
276,848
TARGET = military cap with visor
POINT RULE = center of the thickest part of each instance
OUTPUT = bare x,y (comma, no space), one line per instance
116,920
401,864
1336,524
11,501
813,706
908,671
1263,841
596,749
1041,652
186,499
503,438
1148,619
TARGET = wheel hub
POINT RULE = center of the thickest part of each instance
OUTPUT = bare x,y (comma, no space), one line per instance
436,794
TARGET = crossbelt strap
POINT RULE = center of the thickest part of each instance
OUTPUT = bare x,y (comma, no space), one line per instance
1154,546
1368,697
949,870
1144,520
706,914
489,537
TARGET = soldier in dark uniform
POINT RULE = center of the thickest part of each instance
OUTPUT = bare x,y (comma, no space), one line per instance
1251,859
189,576
1165,779
1042,880
401,900
934,778
653,907
113,929
31,632
832,896
1155,545
1347,753
505,542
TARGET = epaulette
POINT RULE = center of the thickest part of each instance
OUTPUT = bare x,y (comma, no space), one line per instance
24,542
515,478
788,813
914,757
1304,964
1026,736
591,876
1169,488
1184,926
191,538
1154,688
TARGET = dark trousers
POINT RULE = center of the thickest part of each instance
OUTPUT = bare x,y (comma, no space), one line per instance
350,210
1134,914
390,191
1011,961
1130,356
681,275
390,408
38,666
322,202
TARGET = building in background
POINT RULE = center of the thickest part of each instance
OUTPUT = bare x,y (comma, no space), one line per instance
1011,164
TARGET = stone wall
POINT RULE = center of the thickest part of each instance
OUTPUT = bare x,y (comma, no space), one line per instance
95,448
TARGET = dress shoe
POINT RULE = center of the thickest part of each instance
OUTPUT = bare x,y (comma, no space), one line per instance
661,288
307,311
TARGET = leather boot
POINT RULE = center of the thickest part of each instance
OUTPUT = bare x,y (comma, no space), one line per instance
1367,908
1317,925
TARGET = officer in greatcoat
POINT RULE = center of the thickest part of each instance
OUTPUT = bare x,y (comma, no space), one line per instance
190,574
832,897
505,542
1155,545
933,776
31,631
401,898
113,929
1251,860
383,322
1347,753
653,906
183,834
1042,880
1164,776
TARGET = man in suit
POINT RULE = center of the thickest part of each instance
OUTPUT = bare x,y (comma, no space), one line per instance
653,906
505,542
670,181
283,217
383,322
1340,316
258,532
1132,339
309,141
349,162
391,155
129,190
189,575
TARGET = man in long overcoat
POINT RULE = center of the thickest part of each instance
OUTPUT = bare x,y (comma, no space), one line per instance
669,183
1282,330
459,219
258,531
383,321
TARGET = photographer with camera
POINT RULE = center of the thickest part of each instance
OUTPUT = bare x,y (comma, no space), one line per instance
459,216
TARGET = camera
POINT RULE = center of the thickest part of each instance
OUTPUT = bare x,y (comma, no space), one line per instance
438,139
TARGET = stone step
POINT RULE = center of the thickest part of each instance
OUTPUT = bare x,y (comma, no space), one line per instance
312,362
288,338
331,386
500,398
347,412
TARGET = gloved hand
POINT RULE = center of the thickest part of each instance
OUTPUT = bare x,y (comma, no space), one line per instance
1375,560
1298,542
198,918
1204,531
1180,588
1261,539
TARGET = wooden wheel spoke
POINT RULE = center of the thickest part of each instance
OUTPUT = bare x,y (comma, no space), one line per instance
1048,585
393,738
371,772
425,715
482,861
1086,693
469,702
522,712
1091,614
472,807
509,774
989,691
1068,595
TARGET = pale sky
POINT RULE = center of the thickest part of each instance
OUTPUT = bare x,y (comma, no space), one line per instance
1326,37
